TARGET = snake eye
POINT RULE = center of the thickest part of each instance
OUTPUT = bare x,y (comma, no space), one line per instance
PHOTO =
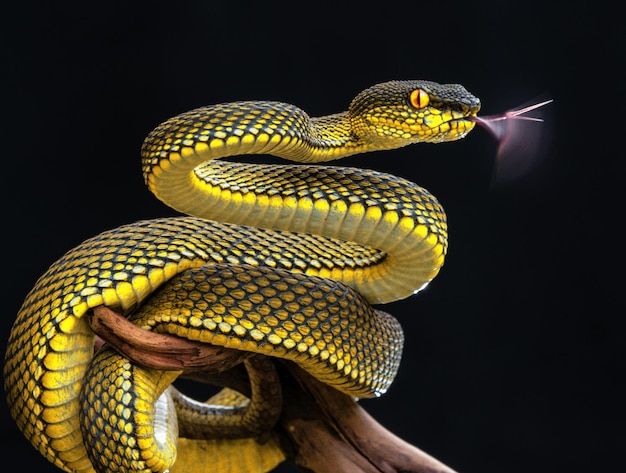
419,98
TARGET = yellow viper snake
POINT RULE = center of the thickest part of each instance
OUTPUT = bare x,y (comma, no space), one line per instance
306,236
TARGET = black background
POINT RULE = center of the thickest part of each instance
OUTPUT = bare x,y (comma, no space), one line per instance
514,358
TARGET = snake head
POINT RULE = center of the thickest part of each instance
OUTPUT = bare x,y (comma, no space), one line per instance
399,113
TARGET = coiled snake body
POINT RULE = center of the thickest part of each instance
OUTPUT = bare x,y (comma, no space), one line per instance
306,238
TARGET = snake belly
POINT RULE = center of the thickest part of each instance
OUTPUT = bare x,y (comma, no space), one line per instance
383,236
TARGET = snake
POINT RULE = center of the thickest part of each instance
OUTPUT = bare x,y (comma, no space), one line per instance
305,236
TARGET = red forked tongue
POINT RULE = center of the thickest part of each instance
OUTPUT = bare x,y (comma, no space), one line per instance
518,140
489,122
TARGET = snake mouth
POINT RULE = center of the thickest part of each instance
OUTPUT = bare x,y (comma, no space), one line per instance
451,129
465,120
456,122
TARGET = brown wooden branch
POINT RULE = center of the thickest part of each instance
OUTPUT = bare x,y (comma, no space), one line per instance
319,430
159,351
330,432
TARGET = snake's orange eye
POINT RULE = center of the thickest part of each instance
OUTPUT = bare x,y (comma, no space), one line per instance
419,98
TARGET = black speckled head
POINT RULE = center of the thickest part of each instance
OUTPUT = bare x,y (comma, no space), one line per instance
413,111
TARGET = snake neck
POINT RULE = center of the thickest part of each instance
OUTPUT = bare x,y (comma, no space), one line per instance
330,137
340,135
